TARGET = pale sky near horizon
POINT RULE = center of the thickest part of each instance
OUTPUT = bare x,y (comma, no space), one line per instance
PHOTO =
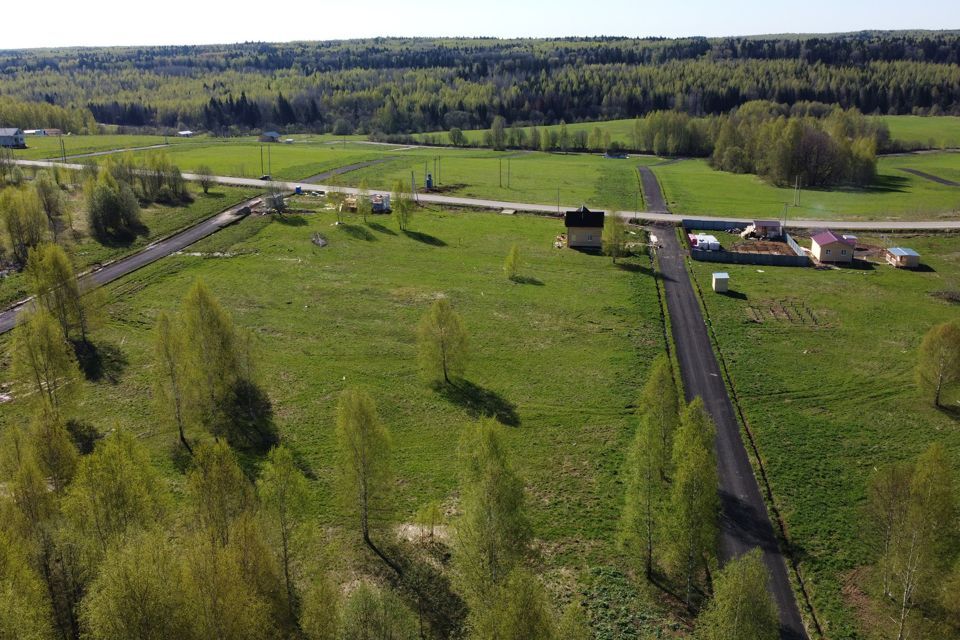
115,22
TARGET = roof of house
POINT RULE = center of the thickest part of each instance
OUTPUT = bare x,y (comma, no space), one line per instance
721,275
829,237
903,252
7,131
270,134
583,217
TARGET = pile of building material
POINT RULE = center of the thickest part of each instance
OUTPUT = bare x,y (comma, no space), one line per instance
704,242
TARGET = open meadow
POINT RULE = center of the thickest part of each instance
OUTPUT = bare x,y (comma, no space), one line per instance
823,364
558,358
691,187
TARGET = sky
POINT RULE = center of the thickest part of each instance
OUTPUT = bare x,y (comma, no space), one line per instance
116,22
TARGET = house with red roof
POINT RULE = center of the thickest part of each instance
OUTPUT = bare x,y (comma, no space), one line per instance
827,246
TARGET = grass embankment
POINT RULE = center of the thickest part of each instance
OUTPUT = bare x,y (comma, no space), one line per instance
691,187
560,357
159,221
829,400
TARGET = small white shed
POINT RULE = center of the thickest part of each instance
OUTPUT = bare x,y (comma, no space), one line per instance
721,282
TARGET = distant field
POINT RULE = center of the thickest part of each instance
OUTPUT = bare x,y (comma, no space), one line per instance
831,401
940,132
159,220
282,161
533,177
692,187
42,147
935,132
562,366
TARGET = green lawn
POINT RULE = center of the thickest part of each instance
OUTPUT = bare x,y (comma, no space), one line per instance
940,132
565,353
830,402
159,220
691,187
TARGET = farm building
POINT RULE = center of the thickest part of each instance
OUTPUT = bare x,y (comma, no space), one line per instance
269,136
12,138
43,132
584,228
827,246
185,134
903,258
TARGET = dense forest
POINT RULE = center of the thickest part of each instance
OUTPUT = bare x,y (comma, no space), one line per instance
416,85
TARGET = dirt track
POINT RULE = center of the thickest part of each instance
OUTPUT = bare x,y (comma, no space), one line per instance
346,169
931,177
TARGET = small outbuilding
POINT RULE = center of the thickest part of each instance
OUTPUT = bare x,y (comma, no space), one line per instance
903,258
12,138
827,246
269,136
185,134
721,282
584,228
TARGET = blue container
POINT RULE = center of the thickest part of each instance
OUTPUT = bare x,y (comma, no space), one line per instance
429,181
299,191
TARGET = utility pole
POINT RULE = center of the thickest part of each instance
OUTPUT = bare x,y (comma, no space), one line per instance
796,195
63,151
269,164
558,199
508,173
413,187
261,159
439,167
500,172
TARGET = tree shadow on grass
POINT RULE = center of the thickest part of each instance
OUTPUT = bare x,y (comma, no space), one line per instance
291,220
121,239
356,231
100,361
951,411
425,586
425,238
634,267
376,226
480,402
527,280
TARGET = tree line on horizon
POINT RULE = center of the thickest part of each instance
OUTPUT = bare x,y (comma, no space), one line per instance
393,86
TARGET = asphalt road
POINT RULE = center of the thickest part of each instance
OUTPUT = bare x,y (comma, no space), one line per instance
744,522
652,194
152,253
846,225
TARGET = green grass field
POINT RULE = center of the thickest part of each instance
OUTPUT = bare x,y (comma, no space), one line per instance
563,366
936,132
159,220
940,132
831,401
42,147
691,187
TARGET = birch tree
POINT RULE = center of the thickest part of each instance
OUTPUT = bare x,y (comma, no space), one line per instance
442,343
938,364
742,608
